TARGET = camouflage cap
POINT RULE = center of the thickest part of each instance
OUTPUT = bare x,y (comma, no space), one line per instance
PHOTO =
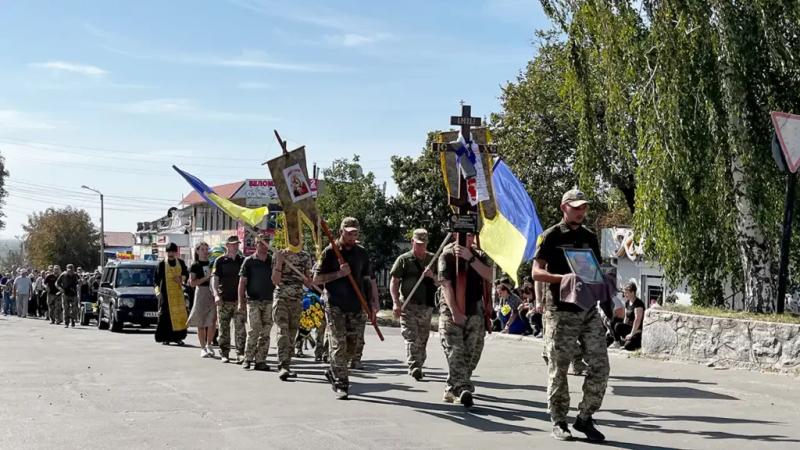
349,224
420,236
574,198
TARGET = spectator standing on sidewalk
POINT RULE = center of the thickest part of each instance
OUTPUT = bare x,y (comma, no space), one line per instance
68,283
22,289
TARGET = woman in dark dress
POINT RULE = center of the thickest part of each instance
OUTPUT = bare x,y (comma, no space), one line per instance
171,275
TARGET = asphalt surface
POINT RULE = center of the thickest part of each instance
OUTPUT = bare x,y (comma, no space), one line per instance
85,388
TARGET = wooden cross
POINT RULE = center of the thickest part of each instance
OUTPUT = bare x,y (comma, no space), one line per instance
465,121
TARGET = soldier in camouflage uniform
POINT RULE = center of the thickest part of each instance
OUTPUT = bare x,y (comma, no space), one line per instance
461,326
288,303
225,286
346,320
54,309
415,318
566,323
255,294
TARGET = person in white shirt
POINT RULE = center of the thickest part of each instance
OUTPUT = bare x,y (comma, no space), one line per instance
22,292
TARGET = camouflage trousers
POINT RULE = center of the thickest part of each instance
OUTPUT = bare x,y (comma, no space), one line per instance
54,309
286,315
415,327
259,326
344,329
462,348
70,305
226,313
564,329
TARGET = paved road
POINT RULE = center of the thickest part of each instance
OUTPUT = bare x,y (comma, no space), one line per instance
81,388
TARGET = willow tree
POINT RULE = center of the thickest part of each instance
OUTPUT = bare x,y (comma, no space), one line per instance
605,43
536,131
719,67
708,196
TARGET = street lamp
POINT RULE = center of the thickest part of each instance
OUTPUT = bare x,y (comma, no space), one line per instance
102,229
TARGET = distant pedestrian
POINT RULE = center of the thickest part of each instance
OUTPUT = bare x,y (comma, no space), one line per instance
204,312
23,287
629,332
171,275
68,283
54,307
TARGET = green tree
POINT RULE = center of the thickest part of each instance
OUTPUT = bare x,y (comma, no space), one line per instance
421,200
3,191
351,192
62,236
709,184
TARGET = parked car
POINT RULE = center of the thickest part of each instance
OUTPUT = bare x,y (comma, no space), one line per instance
127,295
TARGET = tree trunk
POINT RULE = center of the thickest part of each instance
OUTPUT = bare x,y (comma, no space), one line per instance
755,253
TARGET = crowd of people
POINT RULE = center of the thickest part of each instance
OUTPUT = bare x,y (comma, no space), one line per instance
238,300
49,293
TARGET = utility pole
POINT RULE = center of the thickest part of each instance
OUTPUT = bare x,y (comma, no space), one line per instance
102,226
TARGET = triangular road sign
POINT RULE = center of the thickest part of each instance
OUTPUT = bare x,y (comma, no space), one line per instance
787,127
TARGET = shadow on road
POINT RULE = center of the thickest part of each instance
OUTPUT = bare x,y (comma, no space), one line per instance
483,417
668,392
658,380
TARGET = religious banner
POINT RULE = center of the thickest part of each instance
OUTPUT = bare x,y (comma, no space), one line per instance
468,192
296,195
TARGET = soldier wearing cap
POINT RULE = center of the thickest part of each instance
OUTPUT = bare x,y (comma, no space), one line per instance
346,319
255,296
225,287
415,318
566,323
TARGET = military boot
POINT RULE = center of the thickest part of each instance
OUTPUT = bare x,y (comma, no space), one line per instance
561,431
586,426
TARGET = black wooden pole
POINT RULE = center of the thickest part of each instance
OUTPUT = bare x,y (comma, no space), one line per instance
783,270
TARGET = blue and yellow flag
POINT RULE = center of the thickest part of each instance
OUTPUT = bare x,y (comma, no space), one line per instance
510,237
250,216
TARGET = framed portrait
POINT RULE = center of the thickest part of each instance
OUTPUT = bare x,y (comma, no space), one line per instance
297,183
583,263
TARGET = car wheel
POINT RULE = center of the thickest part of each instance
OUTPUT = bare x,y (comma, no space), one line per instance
100,324
114,324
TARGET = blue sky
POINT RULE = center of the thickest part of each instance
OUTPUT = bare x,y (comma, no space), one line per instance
112,93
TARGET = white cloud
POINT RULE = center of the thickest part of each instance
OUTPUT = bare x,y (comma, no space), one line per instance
184,108
14,120
255,59
356,39
63,66
254,85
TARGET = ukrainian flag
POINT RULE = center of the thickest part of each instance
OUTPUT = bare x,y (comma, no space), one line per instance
250,216
510,237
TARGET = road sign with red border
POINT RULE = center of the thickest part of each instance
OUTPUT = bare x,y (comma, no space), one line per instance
787,127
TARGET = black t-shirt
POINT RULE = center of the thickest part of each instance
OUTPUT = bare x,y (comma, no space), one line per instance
69,283
259,278
50,282
630,312
340,292
200,270
227,269
550,247
447,271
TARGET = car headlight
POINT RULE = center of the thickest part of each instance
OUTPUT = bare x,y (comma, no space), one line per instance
127,302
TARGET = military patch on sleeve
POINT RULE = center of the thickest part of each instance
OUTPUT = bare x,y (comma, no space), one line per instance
539,240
